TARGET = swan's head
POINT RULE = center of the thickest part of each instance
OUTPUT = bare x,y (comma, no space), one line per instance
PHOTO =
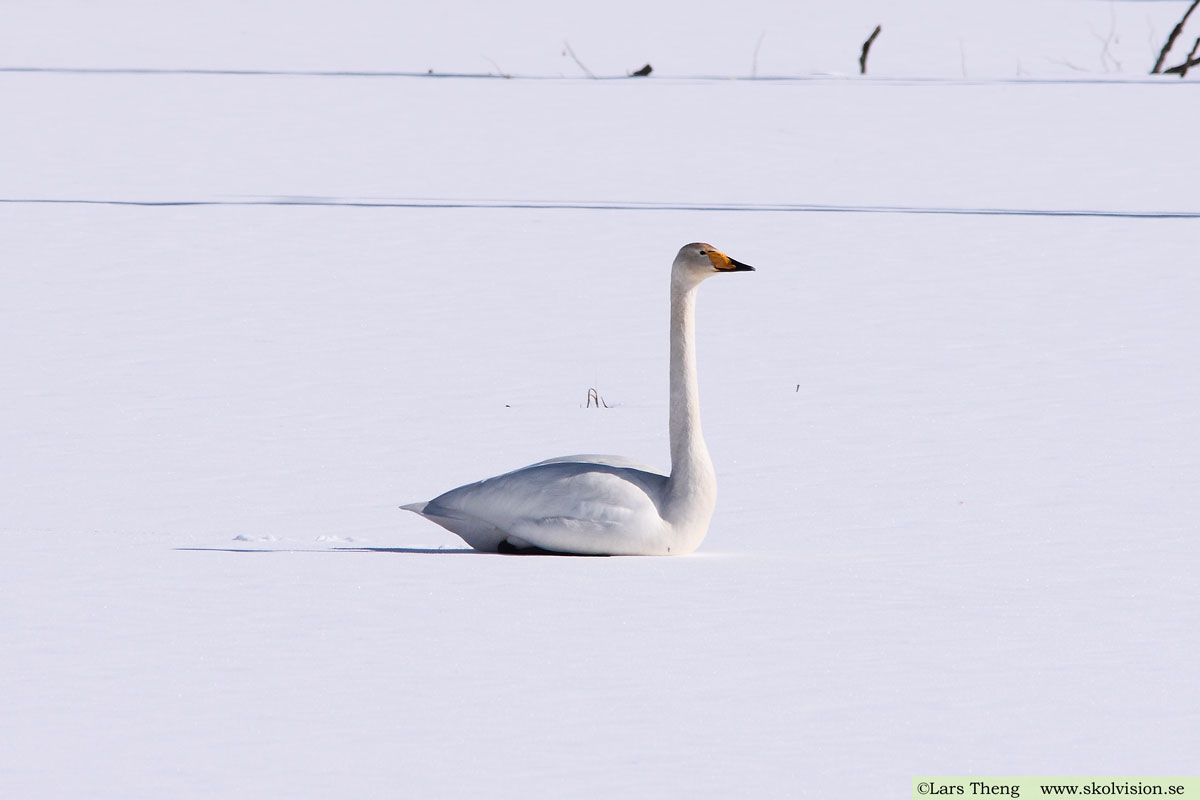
700,260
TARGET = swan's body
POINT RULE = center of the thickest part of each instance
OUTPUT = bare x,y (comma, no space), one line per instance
607,505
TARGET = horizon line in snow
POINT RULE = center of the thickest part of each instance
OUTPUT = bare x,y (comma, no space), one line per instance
1155,80
605,205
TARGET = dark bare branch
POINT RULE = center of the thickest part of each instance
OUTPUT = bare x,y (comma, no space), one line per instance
862,60
1178,29
1182,69
1191,59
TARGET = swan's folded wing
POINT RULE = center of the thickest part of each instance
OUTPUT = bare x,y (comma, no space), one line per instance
566,505
611,461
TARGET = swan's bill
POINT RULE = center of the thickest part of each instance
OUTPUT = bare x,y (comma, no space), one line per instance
723,263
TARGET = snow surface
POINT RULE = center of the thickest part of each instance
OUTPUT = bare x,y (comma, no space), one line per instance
958,452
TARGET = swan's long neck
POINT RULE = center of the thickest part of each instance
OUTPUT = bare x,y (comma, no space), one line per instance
693,483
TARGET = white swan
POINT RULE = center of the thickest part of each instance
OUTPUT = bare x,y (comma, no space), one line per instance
607,505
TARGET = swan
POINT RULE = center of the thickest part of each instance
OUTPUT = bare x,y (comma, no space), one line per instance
607,505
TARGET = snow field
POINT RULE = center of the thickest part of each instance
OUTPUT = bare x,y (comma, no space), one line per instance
956,531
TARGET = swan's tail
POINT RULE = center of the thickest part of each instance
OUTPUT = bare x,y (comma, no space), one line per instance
475,532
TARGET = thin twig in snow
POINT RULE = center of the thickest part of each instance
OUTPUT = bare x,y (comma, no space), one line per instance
1066,64
501,72
594,396
1151,33
1107,41
575,58
754,63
